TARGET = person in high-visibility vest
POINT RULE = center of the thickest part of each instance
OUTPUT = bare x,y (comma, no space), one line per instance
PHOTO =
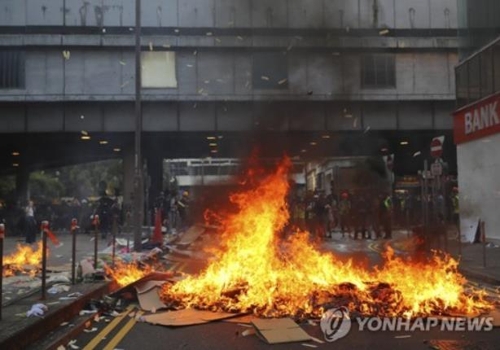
455,205
386,215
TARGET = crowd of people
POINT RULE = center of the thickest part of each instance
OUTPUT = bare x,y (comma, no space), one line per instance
360,215
24,220
174,207
366,214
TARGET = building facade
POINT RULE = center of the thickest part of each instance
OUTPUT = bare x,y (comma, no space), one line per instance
370,73
477,119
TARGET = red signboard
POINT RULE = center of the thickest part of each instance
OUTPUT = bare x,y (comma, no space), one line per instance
436,148
478,120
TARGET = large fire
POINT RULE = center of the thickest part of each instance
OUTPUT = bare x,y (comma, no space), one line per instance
25,260
256,271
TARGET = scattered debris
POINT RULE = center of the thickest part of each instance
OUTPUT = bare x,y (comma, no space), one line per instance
87,312
248,332
66,54
309,345
72,344
92,330
319,341
266,78
58,288
37,310
383,32
402,336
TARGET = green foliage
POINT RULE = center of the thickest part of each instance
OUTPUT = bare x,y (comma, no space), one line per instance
83,180
45,185
7,186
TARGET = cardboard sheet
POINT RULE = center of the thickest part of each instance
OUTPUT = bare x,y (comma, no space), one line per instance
280,330
468,228
150,300
186,317
247,319
146,286
148,296
191,235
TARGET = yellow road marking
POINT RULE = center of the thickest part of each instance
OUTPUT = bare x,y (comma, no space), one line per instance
98,338
123,332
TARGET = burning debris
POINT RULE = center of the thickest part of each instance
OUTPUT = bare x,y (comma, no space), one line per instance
125,274
255,271
25,260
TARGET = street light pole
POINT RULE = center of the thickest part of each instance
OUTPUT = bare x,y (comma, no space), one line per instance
138,183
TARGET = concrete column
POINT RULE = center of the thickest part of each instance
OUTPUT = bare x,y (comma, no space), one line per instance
22,184
155,173
128,175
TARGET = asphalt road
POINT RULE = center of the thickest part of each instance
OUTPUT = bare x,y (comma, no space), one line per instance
222,335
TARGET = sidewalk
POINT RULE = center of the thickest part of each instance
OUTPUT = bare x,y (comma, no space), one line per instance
62,255
472,260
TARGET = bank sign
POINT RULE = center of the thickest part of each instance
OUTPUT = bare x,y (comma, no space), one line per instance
478,120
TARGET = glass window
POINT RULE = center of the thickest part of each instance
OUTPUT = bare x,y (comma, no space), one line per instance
486,72
475,79
378,71
496,67
270,71
158,70
462,84
12,73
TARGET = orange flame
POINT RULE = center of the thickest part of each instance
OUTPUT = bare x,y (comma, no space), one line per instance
125,274
23,260
255,271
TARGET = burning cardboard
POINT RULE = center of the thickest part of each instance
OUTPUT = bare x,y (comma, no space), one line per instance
257,272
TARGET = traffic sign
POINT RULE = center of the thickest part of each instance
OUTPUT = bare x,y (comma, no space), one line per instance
437,147
436,169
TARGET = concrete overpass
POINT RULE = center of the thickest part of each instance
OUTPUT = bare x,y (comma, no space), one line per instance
283,73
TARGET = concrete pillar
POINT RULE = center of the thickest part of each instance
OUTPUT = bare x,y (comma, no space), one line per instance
128,175
22,184
155,173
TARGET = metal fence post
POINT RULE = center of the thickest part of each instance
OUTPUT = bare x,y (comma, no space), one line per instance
2,237
74,227
45,227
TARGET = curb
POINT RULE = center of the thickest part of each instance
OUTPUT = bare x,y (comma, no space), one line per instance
478,276
24,336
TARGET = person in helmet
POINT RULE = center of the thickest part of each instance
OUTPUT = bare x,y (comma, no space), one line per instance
183,208
344,213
